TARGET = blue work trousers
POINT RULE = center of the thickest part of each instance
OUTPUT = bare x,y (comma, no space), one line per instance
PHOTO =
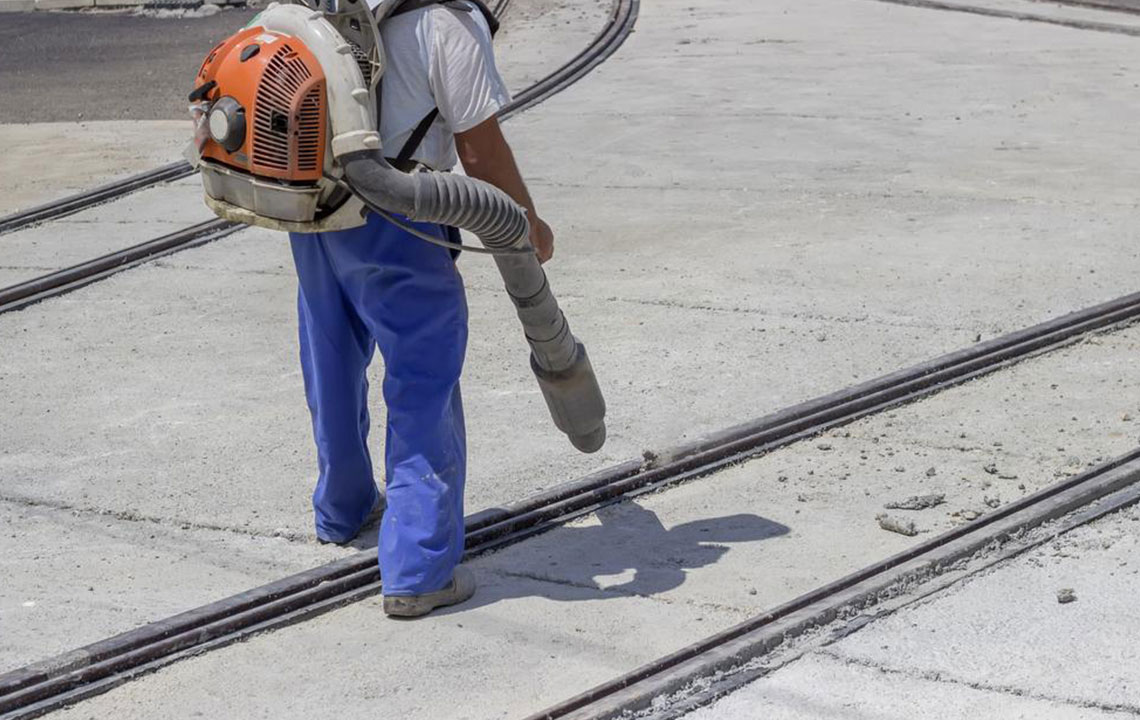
371,286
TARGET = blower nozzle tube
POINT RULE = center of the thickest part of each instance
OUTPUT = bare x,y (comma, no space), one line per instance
558,360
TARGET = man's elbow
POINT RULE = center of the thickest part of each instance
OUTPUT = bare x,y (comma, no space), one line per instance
481,145
469,155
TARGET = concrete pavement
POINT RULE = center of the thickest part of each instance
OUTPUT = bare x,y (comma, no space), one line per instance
47,161
997,645
136,218
615,590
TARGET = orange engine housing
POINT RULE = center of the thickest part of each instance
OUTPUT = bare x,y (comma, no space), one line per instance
281,87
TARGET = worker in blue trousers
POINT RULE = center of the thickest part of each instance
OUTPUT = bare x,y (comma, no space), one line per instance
378,286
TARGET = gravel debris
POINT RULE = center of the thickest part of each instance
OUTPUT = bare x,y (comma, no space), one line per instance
917,502
895,525
1066,595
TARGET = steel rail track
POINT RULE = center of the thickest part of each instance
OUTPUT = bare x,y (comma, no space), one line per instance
721,659
21,295
41,687
95,196
64,281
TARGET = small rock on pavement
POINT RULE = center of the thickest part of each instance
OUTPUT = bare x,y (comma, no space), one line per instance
895,525
1066,595
916,502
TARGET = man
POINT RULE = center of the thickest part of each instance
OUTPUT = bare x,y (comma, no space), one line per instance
379,286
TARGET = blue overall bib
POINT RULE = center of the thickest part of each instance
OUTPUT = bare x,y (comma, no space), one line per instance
379,286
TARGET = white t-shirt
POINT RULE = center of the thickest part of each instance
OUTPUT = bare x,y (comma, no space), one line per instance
437,56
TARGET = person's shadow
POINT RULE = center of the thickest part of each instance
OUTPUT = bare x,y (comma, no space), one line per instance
629,553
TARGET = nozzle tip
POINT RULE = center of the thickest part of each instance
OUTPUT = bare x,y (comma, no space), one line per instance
591,441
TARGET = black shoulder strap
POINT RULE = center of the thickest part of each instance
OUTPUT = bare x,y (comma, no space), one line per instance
420,132
413,142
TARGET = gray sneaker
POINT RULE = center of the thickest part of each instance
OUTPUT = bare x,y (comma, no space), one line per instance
461,587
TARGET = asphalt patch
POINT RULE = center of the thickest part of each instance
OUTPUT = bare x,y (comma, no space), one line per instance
58,66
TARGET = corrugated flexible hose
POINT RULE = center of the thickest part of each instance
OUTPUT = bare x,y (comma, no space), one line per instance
559,361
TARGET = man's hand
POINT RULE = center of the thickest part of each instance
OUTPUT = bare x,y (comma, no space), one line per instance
542,238
486,155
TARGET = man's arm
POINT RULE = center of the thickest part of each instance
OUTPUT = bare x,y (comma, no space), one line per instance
486,155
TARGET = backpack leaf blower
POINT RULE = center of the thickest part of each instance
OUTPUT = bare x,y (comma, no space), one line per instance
286,138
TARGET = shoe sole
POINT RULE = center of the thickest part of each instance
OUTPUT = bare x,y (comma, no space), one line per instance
409,606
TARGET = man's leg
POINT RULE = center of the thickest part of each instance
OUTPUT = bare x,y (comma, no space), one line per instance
336,348
411,296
